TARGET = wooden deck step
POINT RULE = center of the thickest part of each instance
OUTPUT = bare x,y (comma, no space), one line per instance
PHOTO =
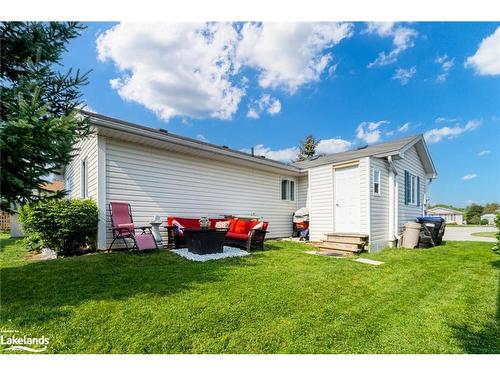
355,235
345,242
341,239
342,246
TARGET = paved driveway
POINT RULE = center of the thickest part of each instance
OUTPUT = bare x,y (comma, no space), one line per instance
464,233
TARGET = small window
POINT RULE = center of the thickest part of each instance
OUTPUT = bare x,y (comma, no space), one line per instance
413,190
376,182
284,189
84,180
287,190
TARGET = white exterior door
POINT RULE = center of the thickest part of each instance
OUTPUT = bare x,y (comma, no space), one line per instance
346,198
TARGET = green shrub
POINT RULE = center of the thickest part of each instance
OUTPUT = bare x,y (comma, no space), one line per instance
484,222
66,226
33,242
475,220
497,223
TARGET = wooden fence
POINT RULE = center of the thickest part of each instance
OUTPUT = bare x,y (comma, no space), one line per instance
4,221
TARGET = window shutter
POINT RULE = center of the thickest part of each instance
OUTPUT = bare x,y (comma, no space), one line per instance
418,191
407,187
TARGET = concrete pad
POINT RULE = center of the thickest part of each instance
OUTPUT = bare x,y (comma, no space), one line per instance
368,261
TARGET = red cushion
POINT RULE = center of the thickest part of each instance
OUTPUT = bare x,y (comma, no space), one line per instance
237,236
185,222
244,226
232,223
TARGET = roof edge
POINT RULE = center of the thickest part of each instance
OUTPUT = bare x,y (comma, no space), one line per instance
129,127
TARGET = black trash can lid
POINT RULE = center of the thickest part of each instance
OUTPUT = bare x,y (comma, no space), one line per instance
436,219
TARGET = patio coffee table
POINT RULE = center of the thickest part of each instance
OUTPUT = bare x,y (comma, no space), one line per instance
205,241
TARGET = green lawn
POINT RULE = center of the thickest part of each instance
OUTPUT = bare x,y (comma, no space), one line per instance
440,300
484,234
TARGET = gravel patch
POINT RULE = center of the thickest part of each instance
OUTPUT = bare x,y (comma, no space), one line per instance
229,252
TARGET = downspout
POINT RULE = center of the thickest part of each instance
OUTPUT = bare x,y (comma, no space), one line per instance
395,212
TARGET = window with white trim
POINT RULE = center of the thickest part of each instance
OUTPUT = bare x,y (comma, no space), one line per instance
376,182
84,187
287,190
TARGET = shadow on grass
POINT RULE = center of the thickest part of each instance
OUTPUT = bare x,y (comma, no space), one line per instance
41,291
487,339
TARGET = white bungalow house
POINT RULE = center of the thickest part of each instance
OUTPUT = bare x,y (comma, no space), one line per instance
448,214
371,191
489,217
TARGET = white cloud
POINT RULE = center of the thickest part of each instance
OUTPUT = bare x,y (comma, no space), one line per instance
289,154
469,176
446,64
369,132
195,69
438,134
404,128
402,39
404,75
285,155
332,146
484,152
265,103
181,69
486,60
201,137
289,55
440,120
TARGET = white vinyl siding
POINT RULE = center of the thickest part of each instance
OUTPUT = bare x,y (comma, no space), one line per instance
379,206
411,163
164,183
321,201
376,182
86,150
364,191
302,191
84,186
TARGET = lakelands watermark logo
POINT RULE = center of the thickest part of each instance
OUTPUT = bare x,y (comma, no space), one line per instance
14,341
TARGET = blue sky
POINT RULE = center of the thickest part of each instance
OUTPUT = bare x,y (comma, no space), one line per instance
268,85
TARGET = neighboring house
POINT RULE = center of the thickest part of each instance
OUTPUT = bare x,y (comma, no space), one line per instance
448,214
54,186
489,217
372,190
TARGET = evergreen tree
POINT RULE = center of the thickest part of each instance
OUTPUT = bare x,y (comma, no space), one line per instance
307,148
39,126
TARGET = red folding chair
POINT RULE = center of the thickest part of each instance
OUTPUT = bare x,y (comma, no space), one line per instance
123,228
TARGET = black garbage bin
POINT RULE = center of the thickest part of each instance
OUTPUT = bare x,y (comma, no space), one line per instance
432,231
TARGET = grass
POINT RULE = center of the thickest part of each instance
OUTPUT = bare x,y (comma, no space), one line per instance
485,234
440,300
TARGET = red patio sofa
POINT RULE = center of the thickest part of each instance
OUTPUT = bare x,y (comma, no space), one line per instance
239,234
